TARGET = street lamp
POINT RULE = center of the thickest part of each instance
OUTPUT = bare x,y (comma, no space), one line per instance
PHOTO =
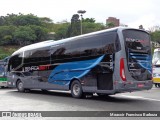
81,12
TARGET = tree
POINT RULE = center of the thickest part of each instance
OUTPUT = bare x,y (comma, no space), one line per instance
74,28
60,30
24,35
6,34
11,24
46,23
155,36
110,25
90,20
154,28
7,20
29,19
91,27
40,32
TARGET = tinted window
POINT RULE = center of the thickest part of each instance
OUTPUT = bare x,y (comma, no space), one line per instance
137,41
2,70
156,57
103,43
93,45
38,55
57,52
15,62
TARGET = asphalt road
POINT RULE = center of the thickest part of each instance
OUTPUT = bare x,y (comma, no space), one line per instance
36,100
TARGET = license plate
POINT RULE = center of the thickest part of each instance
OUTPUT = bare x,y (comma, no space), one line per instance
140,85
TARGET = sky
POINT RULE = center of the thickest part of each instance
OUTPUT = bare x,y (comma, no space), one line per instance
130,12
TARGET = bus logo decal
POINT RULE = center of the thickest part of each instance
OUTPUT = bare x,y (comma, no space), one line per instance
27,69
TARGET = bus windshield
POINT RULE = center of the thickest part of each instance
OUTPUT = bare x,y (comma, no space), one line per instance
156,58
1,70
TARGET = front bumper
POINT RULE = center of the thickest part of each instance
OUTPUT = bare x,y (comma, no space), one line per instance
3,83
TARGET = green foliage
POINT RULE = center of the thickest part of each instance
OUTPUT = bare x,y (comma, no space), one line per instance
91,27
88,25
6,34
155,36
110,25
29,19
20,20
40,32
7,20
23,29
90,20
24,35
74,28
6,51
46,23
20,29
60,30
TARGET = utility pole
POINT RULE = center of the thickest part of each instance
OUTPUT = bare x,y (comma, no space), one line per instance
81,12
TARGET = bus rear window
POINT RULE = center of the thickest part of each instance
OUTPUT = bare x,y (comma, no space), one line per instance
137,41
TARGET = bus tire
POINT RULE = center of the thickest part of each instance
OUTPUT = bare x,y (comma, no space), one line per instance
20,87
76,89
2,86
158,84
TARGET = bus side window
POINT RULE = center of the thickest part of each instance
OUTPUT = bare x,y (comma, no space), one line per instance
72,50
57,52
42,55
34,56
2,70
110,43
89,46
15,61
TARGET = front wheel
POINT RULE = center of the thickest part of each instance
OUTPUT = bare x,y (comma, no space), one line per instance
20,86
76,89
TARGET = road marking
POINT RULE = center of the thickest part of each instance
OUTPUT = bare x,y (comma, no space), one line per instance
139,97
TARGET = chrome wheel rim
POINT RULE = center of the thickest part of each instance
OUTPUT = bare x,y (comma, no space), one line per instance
20,86
76,89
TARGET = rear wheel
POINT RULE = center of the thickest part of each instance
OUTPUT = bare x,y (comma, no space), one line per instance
76,89
158,84
20,86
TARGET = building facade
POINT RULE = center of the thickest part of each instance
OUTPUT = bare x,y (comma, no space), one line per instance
113,20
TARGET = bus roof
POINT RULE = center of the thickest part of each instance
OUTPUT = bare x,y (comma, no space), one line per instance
52,42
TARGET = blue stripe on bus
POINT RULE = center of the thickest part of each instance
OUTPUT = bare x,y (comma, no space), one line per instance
65,72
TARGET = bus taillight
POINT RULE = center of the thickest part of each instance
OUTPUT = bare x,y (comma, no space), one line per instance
122,70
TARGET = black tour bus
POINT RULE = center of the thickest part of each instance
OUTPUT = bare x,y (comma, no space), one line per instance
105,62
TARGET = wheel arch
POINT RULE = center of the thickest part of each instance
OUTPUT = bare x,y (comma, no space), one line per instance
73,79
17,81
